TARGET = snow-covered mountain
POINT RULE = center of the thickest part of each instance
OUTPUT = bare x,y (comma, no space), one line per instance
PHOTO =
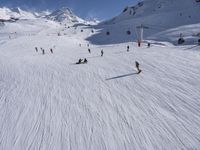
64,15
155,15
42,13
15,13
49,102
166,12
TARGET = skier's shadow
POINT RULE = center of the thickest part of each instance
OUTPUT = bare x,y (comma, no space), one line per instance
121,76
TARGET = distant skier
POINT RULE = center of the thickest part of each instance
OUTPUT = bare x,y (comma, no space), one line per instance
89,50
102,53
43,51
139,43
138,67
79,45
149,45
88,45
36,49
51,50
199,42
128,48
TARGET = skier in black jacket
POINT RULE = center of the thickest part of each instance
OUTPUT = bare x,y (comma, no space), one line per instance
138,67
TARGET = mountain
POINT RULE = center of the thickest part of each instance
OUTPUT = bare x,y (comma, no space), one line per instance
166,12
42,13
64,15
15,13
48,102
155,15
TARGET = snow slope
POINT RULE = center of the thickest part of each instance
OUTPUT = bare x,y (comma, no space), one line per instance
191,34
156,15
49,103
64,15
6,13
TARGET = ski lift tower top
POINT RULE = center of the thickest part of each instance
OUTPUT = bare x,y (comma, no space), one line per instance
140,31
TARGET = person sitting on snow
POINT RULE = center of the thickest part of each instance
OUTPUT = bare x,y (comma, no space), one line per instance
85,61
79,61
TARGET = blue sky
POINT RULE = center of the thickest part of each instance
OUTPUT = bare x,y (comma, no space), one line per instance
101,9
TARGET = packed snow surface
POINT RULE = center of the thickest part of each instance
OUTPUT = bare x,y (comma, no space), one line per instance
47,102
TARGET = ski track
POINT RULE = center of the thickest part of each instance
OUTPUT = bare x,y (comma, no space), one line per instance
48,104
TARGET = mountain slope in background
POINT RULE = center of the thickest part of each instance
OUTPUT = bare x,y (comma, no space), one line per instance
64,15
17,13
156,15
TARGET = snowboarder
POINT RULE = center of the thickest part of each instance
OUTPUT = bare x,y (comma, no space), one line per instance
138,67
128,48
149,45
89,50
51,50
102,53
36,49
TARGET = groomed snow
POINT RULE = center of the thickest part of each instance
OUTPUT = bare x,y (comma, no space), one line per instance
49,103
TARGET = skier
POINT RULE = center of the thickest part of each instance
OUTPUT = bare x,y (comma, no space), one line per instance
199,42
139,43
51,50
88,45
36,49
149,45
80,45
138,67
89,50
102,53
43,52
128,48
